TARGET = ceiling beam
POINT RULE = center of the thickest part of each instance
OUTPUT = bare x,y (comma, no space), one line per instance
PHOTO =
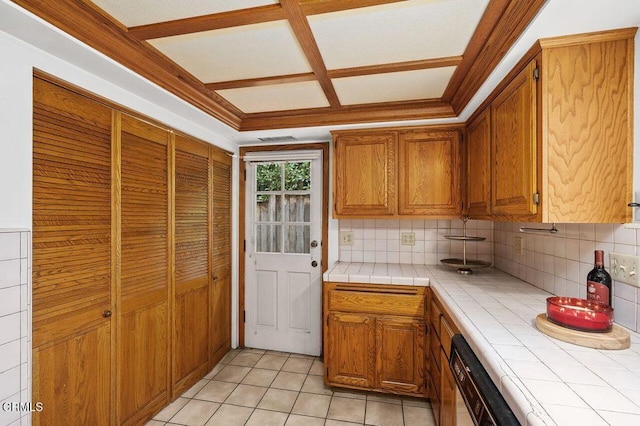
236,18
302,31
216,21
262,81
500,26
369,113
86,22
396,67
317,7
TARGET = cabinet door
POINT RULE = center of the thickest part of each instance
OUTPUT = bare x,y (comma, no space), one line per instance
365,175
513,118
143,387
73,266
448,394
221,254
429,173
351,349
192,270
479,165
400,358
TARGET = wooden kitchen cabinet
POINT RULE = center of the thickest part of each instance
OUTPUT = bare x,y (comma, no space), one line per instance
562,133
374,337
443,392
429,173
404,172
479,166
365,174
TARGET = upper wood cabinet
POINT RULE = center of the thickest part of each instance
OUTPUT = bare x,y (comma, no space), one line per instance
513,125
365,174
561,133
398,172
429,172
479,165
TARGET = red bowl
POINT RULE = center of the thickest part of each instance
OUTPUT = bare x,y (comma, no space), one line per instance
579,314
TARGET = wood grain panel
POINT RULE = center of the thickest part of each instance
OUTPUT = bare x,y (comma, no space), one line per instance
365,174
192,294
479,166
400,358
144,266
72,257
587,140
353,365
429,173
513,125
72,378
377,303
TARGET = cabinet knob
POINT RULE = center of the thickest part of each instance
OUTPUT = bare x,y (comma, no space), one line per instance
215,278
106,314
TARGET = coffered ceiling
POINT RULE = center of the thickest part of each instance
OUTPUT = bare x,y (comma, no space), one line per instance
264,64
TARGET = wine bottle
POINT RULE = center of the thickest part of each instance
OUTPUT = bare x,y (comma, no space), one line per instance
599,281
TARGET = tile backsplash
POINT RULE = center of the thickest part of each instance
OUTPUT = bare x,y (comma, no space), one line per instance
380,241
559,263
15,327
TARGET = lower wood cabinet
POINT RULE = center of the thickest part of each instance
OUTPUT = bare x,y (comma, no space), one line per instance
443,391
374,337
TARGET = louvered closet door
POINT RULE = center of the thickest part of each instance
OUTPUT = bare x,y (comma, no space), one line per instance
192,278
72,263
145,271
221,253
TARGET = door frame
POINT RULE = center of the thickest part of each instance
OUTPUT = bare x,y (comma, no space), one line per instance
324,146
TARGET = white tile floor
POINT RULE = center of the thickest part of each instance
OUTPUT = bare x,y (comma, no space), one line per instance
256,387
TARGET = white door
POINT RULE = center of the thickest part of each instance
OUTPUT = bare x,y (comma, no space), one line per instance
283,284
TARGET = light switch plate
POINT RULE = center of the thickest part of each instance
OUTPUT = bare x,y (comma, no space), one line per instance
624,268
346,238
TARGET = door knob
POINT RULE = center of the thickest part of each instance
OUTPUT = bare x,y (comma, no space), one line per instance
314,244
314,263
106,314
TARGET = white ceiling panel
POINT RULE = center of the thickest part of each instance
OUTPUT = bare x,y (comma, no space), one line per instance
251,51
280,97
397,32
391,87
140,12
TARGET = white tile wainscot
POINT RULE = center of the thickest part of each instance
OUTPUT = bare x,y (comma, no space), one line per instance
15,326
544,381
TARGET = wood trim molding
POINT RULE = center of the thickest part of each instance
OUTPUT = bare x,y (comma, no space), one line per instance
396,67
394,111
83,21
216,21
303,33
501,25
324,146
264,81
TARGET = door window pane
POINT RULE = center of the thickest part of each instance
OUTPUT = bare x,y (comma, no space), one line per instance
268,238
297,176
268,208
297,208
297,239
269,177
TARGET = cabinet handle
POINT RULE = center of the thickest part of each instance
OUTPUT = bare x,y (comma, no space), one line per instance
633,204
106,314
215,278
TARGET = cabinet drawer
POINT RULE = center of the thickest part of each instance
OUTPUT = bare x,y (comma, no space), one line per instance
434,317
400,302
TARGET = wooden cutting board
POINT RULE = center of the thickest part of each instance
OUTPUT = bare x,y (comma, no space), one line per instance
616,338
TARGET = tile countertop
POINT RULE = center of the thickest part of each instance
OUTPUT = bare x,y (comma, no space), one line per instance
544,380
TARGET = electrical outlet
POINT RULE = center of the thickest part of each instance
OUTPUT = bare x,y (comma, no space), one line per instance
346,238
518,242
624,268
408,238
